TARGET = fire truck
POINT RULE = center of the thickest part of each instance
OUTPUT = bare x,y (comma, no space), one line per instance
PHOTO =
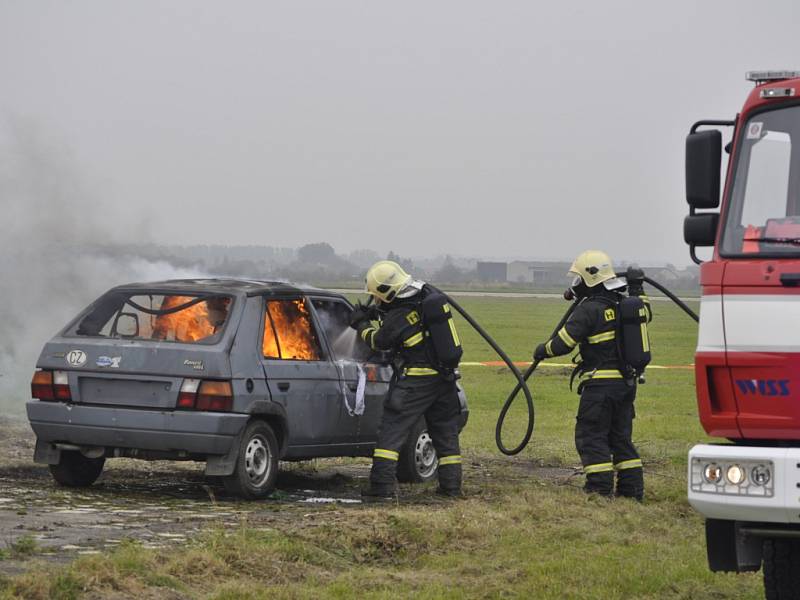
747,363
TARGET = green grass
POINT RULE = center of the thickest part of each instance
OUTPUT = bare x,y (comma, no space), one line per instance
515,535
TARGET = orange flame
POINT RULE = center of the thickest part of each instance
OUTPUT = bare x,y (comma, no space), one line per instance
188,325
292,325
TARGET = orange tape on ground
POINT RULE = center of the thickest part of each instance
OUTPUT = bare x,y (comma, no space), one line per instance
499,363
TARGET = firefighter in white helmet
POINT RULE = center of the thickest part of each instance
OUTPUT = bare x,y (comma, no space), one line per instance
605,416
424,380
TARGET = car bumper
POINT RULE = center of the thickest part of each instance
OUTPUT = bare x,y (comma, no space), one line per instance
776,502
199,433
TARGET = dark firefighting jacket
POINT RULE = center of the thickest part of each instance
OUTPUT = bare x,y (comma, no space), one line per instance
593,328
400,331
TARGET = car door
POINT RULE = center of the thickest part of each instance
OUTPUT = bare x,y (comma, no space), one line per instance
349,352
300,375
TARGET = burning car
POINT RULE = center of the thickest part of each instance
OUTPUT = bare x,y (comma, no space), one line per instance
239,374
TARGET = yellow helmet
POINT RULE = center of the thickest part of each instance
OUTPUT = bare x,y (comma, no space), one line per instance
385,279
595,267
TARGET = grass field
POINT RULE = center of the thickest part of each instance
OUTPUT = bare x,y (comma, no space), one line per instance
516,534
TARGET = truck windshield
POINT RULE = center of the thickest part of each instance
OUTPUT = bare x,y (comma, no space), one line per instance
763,216
186,318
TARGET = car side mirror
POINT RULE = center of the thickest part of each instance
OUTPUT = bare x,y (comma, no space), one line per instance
701,229
703,160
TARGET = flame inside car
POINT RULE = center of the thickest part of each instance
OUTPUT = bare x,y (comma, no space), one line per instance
288,333
193,323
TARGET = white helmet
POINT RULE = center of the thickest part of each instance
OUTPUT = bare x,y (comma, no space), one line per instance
595,267
385,279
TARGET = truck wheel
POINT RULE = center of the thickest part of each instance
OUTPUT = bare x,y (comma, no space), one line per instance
75,470
781,569
418,461
257,463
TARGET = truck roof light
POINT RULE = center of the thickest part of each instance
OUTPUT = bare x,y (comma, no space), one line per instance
777,92
760,76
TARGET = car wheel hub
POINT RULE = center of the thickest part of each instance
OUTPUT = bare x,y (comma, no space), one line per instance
425,459
257,461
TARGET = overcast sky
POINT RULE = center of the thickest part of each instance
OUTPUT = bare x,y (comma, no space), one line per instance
474,128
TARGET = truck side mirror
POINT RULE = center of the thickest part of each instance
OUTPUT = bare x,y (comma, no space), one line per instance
703,160
701,229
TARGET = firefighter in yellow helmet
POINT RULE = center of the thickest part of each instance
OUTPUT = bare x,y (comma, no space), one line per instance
604,423
424,380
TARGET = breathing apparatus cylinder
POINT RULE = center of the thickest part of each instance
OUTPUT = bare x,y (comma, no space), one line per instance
634,338
438,320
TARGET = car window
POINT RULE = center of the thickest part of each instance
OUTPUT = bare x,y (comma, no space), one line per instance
334,318
289,332
185,318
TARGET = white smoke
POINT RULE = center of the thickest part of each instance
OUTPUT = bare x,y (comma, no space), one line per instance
51,267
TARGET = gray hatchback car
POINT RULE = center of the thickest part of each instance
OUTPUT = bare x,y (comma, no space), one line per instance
239,374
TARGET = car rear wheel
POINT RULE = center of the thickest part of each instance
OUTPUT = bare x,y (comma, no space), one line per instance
257,463
76,470
781,569
418,462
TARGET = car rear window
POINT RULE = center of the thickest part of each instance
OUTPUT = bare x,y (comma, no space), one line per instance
186,318
289,332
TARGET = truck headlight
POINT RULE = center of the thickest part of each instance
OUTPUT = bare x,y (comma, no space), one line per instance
712,473
760,475
715,475
735,474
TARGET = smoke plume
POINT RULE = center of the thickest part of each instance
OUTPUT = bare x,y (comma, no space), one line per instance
57,236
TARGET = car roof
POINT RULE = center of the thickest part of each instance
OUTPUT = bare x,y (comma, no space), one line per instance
249,287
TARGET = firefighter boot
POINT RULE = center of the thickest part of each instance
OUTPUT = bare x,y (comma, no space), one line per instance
378,493
449,477
630,479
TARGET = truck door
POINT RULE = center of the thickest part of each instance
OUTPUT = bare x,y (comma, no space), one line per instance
349,352
760,288
299,374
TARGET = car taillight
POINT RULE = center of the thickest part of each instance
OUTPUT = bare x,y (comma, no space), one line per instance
50,385
188,393
42,386
215,395
206,395
61,385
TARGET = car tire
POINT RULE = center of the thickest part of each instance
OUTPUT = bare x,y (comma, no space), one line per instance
76,470
418,462
781,568
256,469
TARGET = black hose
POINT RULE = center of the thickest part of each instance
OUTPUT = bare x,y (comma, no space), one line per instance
521,383
498,431
674,298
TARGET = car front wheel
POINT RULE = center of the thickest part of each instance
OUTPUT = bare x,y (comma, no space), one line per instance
257,463
418,462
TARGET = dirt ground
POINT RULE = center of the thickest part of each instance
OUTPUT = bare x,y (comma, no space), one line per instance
162,503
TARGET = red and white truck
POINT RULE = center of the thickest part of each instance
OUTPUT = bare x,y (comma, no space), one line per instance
747,364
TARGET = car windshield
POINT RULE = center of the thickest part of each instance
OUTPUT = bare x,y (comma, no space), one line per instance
763,216
157,316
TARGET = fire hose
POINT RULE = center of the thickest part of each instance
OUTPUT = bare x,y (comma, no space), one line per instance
529,372
521,381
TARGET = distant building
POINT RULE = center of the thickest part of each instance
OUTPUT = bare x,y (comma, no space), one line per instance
537,272
492,272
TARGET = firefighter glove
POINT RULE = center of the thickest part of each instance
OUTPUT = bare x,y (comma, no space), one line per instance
361,315
540,353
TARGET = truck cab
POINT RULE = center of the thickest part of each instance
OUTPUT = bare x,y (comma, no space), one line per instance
747,363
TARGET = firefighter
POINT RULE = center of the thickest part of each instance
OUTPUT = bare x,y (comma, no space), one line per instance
421,385
607,388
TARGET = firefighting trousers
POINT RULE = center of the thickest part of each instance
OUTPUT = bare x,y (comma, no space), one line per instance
603,438
408,400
